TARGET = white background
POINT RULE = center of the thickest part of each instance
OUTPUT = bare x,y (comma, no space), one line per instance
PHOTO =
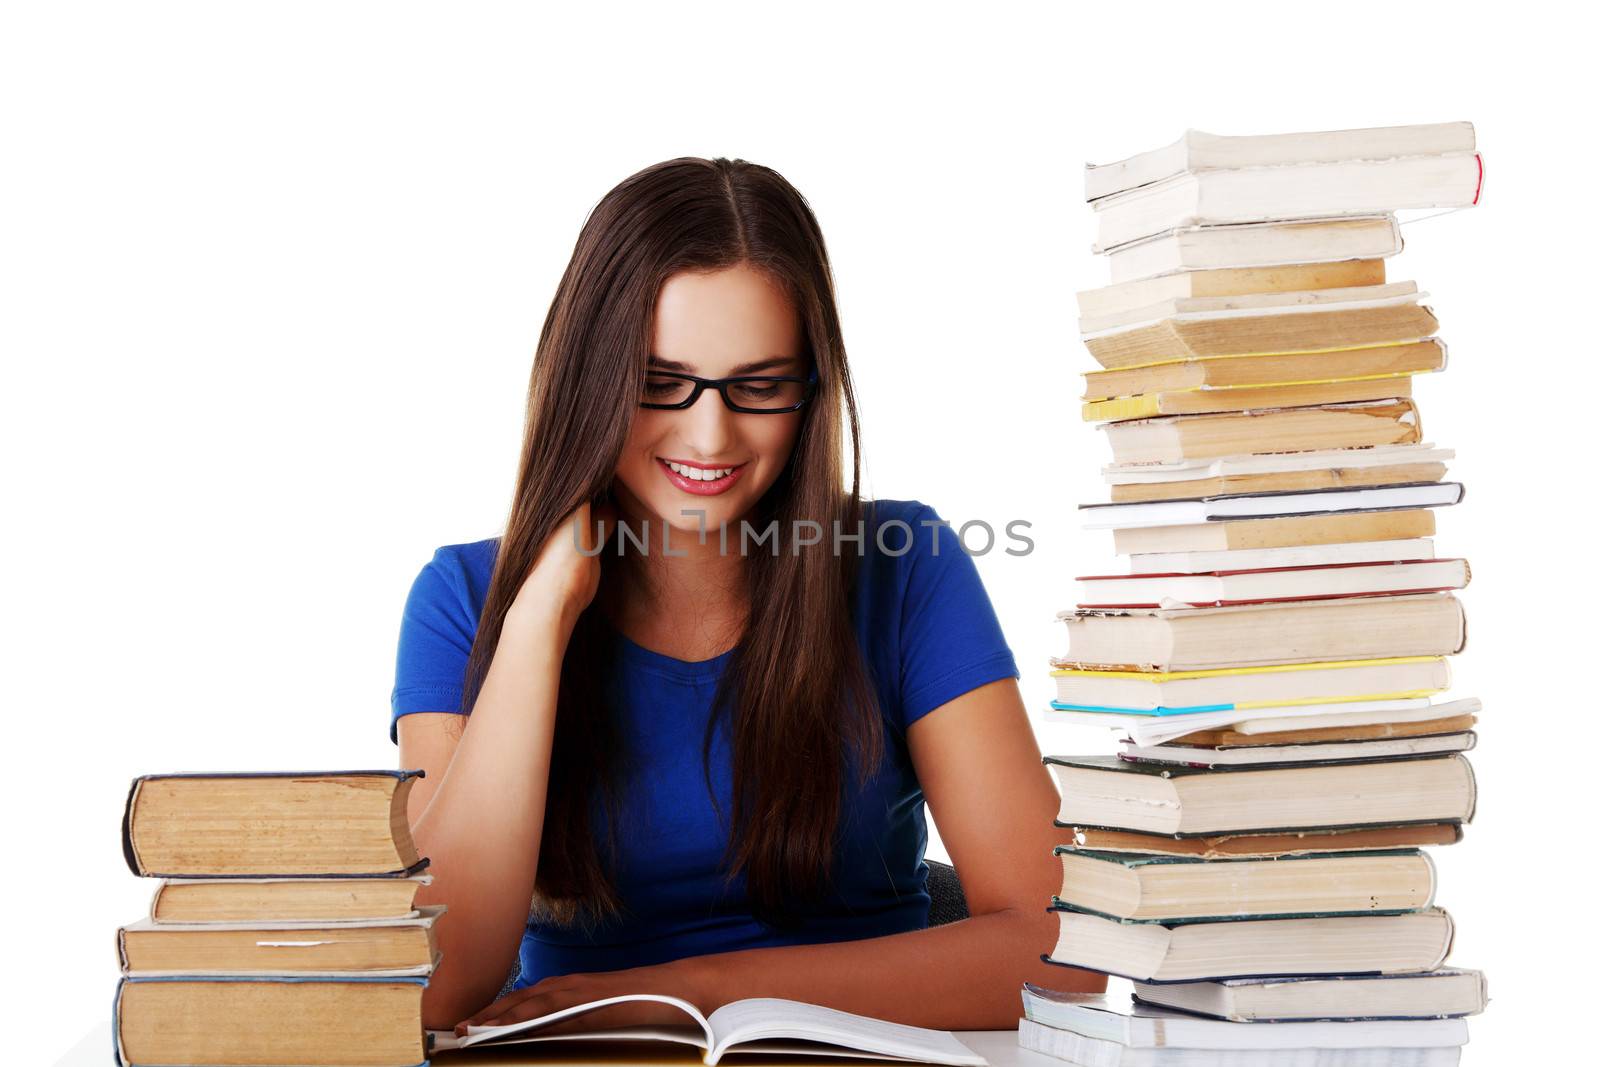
273,275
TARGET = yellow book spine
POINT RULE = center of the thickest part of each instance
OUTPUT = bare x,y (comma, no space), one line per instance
1410,694
1148,405
1306,381
1116,409
1285,352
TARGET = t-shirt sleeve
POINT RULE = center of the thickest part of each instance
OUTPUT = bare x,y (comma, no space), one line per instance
436,632
950,638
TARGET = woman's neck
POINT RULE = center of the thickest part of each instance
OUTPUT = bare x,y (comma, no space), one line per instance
690,604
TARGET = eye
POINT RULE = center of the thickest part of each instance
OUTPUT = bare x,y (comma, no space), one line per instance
767,394
658,390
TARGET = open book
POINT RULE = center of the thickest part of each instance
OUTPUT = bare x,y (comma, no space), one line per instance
760,1024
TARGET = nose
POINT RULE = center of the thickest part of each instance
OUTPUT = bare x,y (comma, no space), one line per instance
708,425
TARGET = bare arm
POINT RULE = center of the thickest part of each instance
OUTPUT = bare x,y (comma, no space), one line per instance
478,814
480,823
995,806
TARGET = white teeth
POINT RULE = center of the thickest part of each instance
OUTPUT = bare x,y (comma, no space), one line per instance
699,474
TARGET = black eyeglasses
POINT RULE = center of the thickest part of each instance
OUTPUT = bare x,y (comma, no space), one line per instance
755,394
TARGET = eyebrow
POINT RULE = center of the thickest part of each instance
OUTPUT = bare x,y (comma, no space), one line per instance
743,368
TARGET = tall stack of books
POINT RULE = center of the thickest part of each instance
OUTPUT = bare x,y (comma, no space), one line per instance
1274,655
285,930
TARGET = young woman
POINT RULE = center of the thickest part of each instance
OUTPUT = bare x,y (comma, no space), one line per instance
690,704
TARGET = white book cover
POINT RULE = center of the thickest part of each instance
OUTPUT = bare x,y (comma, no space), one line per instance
1245,559
1198,150
1401,186
1278,504
1076,1049
1449,992
1259,244
1120,1018
1273,463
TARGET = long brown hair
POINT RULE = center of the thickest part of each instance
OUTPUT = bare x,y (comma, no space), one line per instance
796,696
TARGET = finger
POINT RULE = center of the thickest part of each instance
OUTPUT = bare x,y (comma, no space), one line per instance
499,1007
603,520
579,526
527,1008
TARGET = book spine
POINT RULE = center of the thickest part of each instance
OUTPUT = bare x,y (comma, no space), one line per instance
131,855
116,1025
1058,905
1261,831
127,830
119,1060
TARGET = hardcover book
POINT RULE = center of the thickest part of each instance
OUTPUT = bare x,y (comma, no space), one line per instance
1198,151
1298,843
1069,1046
1185,639
1254,245
223,900
1159,888
1122,795
289,1022
1135,1023
273,824
390,947
1260,194
1446,993
1250,947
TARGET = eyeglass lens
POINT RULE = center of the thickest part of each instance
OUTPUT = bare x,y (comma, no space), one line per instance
754,393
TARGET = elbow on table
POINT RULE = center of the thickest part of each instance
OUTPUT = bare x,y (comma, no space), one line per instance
445,1004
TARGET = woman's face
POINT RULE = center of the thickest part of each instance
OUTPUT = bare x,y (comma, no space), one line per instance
713,324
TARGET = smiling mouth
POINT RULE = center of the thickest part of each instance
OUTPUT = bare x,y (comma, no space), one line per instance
701,481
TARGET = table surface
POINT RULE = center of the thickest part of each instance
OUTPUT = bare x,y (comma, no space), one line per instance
999,1047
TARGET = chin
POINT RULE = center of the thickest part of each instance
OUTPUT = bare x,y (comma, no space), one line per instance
667,509
716,511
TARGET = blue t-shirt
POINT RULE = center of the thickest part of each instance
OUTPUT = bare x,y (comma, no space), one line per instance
929,634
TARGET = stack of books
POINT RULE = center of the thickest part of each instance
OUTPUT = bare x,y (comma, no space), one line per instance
1274,656
285,929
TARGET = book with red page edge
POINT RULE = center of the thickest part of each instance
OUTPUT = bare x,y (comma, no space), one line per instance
1262,570
1468,741
1271,570
1331,491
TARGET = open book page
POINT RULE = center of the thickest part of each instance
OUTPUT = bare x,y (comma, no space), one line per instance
761,1019
696,1031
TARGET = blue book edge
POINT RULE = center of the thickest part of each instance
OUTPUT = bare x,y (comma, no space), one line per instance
1195,709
